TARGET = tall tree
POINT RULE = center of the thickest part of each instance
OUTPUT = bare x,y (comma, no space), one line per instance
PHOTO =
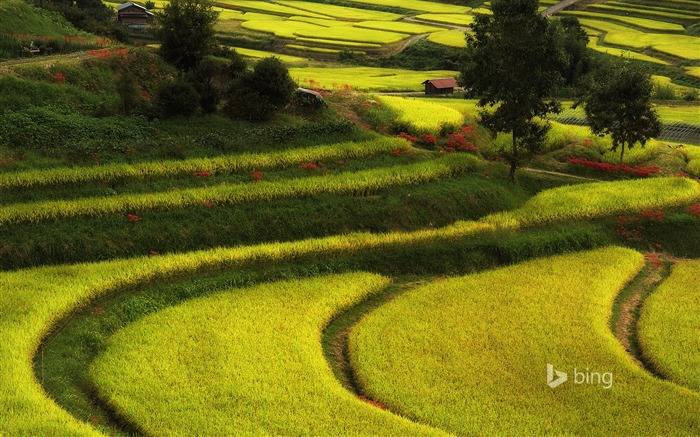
186,31
617,102
513,62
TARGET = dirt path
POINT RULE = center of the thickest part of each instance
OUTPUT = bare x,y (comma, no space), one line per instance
5,66
556,173
630,304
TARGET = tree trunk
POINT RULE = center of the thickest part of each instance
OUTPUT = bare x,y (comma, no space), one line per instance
514,158
622,156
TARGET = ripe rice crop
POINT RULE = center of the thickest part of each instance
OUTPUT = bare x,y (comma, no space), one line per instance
418,5
283,29
682,46
458,19
367,78
612,51
345,183
423,117
469,354
600,199
670,323
450,38
280,384
227,163
342,12
264,6
398,26
692,71
259,54
317,49
643,23
322,21
339,43
692,154
33,300
635,11
353,34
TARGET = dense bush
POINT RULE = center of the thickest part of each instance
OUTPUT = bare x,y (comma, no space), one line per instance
176,97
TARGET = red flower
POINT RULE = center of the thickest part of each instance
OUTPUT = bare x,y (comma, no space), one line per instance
256,175
208,203
308,166
152,253
201,174
340,162
133,218
59,77
486,174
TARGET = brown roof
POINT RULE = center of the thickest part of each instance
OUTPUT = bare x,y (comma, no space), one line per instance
447,82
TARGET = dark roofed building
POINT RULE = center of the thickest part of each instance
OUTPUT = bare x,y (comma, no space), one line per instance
440,86
134,16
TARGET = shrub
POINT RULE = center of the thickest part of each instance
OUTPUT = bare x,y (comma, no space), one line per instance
176,98
247,104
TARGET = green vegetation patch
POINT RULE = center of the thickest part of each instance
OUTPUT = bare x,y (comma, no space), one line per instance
670,323
250,364
469,355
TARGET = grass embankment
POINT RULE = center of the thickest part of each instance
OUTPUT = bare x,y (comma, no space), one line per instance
250,364
669,326
469,354
360,183
20,17
214,165
600,199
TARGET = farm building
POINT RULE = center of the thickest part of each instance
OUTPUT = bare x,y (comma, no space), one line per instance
440,86
134,16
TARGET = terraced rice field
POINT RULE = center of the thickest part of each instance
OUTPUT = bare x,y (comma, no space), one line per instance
365,78
422,116
669,325
495,382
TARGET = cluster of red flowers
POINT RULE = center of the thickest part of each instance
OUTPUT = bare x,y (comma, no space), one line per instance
427,140
654,216
133,218
587,143
399,152
653,257
311,166
369,401
694,210
208,203
60,77
630,228
107,53
640,170
201,174
407,136
256,175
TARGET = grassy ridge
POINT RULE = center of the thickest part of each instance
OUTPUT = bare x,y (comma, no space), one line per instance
280,383
228,163
469,354
669,326
361,182
599,199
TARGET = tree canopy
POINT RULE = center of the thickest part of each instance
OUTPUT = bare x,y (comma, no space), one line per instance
514,60
186,31
617,102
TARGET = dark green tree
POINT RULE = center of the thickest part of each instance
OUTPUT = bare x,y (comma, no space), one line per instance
513,62
575,45
186,32
271,78
617,102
